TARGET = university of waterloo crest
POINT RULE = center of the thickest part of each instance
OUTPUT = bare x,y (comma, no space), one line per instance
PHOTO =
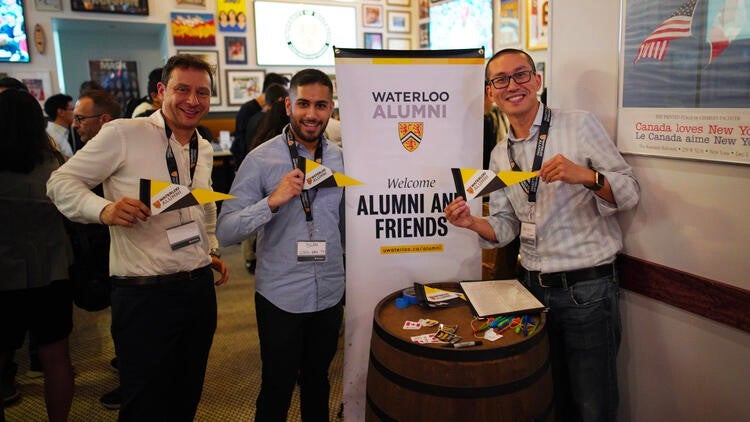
410,134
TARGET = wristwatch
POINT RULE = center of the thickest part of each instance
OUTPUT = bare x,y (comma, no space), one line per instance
598,182
214,252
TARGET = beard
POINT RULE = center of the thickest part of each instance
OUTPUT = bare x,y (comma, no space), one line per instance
302,134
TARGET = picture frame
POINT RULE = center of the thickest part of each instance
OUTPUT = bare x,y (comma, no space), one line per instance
540,68
537,24
424,9
48,5
396,43
399,22
212,58
244,85
191,3
405,3
424,35
38,83
193,29
139,7
235,50
373,40
509,23
118,77
372,16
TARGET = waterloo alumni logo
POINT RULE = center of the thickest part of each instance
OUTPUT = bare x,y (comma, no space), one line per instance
410,134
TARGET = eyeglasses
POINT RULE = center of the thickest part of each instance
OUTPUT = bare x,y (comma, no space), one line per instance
503,81
78,118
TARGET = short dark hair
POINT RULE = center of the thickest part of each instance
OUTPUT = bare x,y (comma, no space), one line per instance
56,102
153,80
89,85
22,124
186,61
12,83
274,78
307,77
504,52
104,102
274,93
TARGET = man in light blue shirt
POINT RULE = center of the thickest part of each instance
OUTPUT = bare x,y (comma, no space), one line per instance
568,229
299,279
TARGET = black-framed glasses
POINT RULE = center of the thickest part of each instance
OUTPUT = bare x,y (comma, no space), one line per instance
503,81
78,118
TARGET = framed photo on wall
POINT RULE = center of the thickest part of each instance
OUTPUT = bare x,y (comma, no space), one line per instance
244,85
399,21
50,5
399,44
374,40
212,58
510,22
372,15
133,7
235,50
537,24
406,3
38,83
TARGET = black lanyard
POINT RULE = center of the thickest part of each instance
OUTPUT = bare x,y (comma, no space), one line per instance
305,196
530,187
174,173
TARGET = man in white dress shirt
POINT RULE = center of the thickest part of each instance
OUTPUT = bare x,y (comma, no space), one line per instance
59,110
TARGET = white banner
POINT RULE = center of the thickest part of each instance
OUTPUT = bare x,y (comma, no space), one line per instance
406,121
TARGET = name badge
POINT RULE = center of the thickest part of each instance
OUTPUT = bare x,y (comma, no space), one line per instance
183,235
528,234
311,250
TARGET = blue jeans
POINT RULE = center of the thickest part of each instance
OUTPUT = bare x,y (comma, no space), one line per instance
584,332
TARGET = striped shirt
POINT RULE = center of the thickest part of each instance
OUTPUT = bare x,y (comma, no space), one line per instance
574,227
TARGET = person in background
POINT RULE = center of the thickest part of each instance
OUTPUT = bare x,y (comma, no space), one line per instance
90,85
272,94
569,232
273,122
298,302
35,253
59,109
163,297
12,83
93,109
152,101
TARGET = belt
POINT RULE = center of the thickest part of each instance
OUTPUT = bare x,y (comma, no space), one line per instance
148,280
567,279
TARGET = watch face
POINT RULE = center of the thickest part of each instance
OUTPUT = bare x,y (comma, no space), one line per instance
308,34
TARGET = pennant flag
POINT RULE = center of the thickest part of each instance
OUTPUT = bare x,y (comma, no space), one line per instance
676,26
471,183
323,177
165,196
727,25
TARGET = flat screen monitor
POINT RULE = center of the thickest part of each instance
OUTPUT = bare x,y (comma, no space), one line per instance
459,24
14,44
299,34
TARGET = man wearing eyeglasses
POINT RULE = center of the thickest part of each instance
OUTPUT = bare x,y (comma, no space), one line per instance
163,297
569,233
93,109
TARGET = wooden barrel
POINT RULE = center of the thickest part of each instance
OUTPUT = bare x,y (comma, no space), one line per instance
505,380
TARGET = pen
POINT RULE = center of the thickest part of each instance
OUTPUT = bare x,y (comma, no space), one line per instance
463,344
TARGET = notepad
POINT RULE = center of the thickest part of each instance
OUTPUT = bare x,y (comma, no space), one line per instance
499,297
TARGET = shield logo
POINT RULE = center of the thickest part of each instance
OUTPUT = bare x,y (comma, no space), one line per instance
410,134
157,204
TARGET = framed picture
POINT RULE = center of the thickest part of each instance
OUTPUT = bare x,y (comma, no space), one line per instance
399,44
235,49
118,77
510,22
197,29
406,3
540,71
212,58
133,7
51,5
537,24
372,16
244,85
399,21
191,3
374,40
39,83
424,35
424,9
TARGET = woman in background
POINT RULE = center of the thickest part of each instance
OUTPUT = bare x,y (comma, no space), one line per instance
35,253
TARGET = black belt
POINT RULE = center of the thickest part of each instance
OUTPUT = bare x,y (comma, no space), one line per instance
147,280
569,278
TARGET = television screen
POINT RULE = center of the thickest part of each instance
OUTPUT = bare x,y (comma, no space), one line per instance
298,34
461,24
14,45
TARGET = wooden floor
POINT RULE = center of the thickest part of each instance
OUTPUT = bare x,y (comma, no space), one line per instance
232,378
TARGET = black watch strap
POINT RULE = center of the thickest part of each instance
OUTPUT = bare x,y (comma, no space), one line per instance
598,183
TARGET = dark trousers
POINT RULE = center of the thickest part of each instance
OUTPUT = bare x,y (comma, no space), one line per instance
162,335
584,333
292,347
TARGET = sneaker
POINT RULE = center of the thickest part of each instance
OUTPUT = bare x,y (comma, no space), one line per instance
112,399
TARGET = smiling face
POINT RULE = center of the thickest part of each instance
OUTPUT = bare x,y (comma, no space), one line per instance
185,100
309,109
516,100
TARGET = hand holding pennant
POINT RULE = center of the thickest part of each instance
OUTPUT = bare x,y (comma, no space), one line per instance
323,177
471,183
165,196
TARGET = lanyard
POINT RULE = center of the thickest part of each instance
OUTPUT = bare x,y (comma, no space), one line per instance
531,187
174,173
305,196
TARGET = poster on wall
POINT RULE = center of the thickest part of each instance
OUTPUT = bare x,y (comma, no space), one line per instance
132,7
509,23
537,24
684,81
118,77
38,83
232,15
197,29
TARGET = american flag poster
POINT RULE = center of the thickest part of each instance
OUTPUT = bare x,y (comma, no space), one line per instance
685,79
